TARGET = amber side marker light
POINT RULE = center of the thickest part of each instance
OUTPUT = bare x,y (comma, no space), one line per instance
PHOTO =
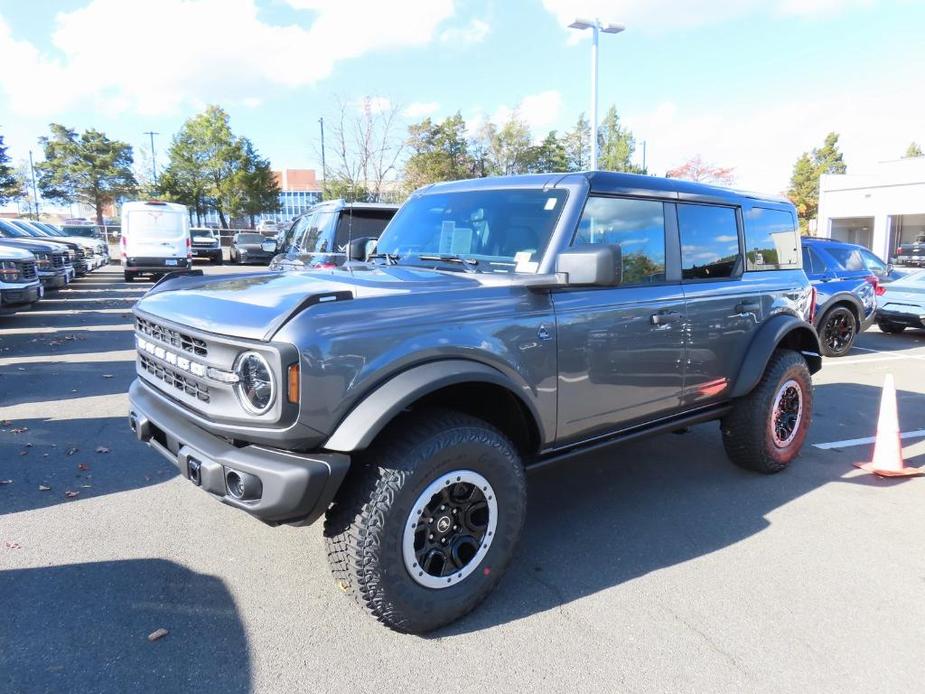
293,389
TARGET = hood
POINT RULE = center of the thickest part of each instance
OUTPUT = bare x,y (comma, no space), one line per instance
8,252
76,240
35,244
255,306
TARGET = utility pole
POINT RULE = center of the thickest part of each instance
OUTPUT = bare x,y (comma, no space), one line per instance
644,157
324,168
153,155
35,195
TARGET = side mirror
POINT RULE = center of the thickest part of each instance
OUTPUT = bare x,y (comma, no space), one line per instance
268,246
593,265
889,268
359,248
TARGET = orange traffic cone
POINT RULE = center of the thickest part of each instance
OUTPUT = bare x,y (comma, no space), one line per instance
888,454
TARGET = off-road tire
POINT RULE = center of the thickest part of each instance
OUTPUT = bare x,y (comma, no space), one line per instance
833,314
364,527
216,260
128,276
891,328
747,433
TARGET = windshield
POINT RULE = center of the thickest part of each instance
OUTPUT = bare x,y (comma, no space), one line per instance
250,238
85,231
202,233
11,231
504,230
27,228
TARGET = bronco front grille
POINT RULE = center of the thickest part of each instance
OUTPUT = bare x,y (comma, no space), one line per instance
172,337
174,378
27,270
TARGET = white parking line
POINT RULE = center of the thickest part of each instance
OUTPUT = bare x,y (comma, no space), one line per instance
867,440
870,360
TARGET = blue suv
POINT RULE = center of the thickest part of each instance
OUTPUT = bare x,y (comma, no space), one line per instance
846,283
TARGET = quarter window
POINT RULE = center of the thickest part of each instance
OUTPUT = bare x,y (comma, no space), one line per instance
771,240
637,226
709,241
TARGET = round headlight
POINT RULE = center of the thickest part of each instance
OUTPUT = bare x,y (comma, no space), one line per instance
255,387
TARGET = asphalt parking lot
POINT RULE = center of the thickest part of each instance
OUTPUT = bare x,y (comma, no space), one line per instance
658,566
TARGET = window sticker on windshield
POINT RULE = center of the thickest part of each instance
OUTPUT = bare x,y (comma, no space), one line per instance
522,259
455,240
550,204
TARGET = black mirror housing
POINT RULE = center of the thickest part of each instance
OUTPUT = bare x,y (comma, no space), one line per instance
359,248
593,265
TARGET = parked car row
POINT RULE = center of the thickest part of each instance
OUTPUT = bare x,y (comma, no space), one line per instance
36,256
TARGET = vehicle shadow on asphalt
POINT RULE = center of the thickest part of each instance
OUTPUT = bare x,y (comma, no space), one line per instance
65,341
54,381
85,627
603,519
66,455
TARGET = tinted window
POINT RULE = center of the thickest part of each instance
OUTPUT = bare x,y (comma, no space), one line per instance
709,241
847,258
771,239
250,238
296,232
819,263
358,223
873,263
637,226
317,239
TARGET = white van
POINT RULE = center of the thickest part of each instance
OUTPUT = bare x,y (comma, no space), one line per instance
155,238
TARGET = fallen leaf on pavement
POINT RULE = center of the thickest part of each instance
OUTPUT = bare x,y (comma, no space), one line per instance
157,634
70,494
107,375
102,449
19,430
44,488
24,453
72,451
13,545
83,467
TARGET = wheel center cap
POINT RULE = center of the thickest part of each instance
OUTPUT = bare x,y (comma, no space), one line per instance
444,523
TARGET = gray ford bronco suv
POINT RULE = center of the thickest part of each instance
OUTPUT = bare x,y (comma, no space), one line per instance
499,324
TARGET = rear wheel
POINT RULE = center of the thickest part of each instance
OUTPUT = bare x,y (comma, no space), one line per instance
837,331
888,327
427,521
766,429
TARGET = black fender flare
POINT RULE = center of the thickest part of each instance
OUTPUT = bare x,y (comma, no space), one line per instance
377,408
794,332
840,298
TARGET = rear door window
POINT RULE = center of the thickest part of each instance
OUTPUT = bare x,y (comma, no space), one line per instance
709,242
849,259
355,224
156,224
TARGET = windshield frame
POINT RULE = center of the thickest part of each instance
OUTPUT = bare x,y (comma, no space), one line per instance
572,195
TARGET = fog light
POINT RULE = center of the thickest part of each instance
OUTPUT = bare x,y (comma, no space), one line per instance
242,485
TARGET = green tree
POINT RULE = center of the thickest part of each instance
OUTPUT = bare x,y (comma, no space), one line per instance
616,145
209,167
503,150
439,152
10,188
696,169
804,182
913,150
577,144
88,168
550,155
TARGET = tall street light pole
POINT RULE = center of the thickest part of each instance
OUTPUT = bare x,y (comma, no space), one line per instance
35,195
596,27
153,156
324,168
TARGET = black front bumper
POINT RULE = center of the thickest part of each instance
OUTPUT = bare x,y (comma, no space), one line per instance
55,280
20,295
210,253
910,320
154,265
296,488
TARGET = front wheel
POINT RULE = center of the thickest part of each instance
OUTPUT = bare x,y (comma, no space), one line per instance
128,276
427,521
216,260
888,327
837,331
765,430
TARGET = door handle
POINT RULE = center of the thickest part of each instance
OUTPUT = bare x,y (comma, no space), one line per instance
665,317
748,307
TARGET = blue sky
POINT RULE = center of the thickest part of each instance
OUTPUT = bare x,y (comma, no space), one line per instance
747,83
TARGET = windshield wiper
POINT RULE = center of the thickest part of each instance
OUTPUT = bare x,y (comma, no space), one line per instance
469,264
390,258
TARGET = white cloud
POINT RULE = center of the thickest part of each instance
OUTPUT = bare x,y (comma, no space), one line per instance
539,111
419,109
661,15
473,32
152,56
761,140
